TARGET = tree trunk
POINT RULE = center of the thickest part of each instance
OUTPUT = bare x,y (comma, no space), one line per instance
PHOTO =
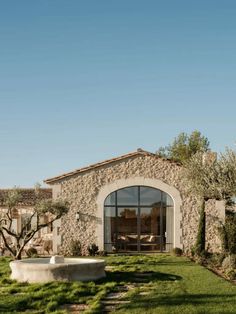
18,256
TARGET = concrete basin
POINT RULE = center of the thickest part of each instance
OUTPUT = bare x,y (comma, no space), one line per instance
70,269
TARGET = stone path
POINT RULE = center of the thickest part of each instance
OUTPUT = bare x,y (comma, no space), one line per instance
75,308
114,299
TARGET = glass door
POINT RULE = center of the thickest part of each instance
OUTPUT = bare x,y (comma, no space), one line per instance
138,218
127,229
152,229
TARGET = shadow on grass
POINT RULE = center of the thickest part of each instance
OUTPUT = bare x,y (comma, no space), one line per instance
155,301
134,277
152,262
11,305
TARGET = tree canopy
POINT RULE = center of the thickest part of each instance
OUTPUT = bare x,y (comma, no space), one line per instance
185,146
211,177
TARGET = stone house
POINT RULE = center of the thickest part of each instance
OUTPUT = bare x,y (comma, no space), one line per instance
43,238
137,202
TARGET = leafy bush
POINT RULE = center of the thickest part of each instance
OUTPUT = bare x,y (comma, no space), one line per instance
192,251
75,248
216,259
32,252
231,274
221,258
229,262
92,249
200,260
177,251
228,233
200,242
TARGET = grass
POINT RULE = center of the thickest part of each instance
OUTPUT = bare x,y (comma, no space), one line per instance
168,285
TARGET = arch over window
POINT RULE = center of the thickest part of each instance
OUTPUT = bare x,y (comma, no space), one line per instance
138,218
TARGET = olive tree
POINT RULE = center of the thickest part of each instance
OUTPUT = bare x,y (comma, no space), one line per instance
185,146
54,209
210,178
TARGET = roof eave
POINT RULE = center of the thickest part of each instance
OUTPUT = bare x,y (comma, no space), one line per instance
103,163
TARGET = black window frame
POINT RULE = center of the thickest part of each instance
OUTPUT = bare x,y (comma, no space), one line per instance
138,206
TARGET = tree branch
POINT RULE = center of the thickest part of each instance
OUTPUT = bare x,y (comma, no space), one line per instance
11,233
6,243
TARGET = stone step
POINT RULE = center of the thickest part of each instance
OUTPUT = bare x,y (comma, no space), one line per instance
114,302
115,295
123,288
74,308
144,293
108,309
113,299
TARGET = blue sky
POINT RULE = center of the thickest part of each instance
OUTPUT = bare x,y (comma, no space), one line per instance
84,81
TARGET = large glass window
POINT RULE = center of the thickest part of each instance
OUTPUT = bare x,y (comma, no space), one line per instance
138,218
150,196
128,196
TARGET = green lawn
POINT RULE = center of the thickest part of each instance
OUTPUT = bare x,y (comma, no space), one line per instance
157,284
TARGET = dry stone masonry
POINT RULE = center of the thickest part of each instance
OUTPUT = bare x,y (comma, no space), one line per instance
82,187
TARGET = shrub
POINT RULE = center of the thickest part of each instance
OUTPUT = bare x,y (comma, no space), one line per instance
198,252
200,242
75,248
200,260
216,259
231,274
177,251
228,233
102,253
221,258
192,251
92,249
229,262
32,252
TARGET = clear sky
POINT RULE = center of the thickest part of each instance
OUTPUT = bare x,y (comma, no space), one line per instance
83,81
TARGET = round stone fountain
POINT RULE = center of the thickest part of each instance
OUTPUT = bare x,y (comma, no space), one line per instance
57,268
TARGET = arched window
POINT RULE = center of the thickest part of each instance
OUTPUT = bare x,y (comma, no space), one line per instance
138,218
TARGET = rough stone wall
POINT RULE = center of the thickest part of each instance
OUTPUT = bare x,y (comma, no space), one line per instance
81,191
215,214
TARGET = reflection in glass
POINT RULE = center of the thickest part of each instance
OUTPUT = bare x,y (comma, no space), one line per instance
149,196
128,196
111,199
167,200
138,218
109,224
127,231
150,228
169,228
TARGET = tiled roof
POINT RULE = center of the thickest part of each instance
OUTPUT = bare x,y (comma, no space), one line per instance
28,196
139,152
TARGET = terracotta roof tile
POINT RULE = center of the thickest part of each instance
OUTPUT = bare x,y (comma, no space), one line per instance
139,152
28,196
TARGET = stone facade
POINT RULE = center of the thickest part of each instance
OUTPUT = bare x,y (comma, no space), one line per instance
215,216
82,188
